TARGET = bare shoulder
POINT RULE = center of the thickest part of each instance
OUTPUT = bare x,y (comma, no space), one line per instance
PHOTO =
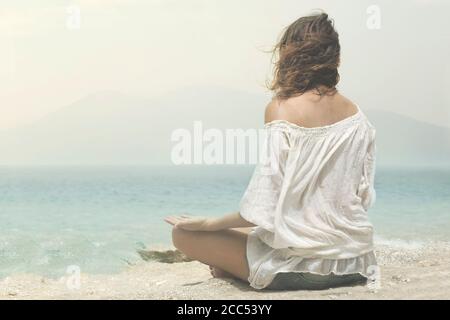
349,106
308,110
288,110
274,111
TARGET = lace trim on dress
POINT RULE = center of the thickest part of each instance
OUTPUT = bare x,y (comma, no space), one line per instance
266,262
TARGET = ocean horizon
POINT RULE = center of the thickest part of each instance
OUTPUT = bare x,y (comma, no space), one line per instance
98,217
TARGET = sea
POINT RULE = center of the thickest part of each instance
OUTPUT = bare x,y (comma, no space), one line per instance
97,218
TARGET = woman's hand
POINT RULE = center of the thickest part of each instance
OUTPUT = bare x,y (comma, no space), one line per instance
191,223
232,220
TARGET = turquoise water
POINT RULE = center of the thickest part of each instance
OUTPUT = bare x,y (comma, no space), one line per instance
96,217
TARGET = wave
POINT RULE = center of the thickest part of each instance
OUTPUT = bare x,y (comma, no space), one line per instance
401,243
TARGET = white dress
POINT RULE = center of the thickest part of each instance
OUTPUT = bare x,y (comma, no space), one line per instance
309,201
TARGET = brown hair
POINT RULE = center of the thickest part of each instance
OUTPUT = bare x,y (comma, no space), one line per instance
308,57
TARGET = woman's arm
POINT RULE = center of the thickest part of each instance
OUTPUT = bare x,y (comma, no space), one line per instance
232,220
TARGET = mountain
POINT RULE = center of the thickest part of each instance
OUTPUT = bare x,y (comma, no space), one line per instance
402,140
110,128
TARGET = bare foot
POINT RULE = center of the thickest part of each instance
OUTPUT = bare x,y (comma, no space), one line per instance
219,273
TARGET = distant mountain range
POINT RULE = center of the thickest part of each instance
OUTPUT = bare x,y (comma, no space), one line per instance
402,140
109,128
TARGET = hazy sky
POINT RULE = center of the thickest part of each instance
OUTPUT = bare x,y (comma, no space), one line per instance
148,47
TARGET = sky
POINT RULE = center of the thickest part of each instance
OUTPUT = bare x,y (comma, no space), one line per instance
53,53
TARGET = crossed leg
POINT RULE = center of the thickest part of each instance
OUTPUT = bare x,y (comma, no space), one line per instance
225,251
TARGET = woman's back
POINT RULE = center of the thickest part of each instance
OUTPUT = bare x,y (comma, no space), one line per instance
310,110
311,195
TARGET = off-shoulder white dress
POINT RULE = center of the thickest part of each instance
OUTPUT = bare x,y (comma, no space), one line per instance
309,200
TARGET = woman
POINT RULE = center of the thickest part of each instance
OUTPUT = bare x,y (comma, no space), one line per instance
303,219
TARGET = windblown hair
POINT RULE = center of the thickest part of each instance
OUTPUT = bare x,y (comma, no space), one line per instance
308,57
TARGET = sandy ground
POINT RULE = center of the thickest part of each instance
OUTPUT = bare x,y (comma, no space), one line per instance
406,273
